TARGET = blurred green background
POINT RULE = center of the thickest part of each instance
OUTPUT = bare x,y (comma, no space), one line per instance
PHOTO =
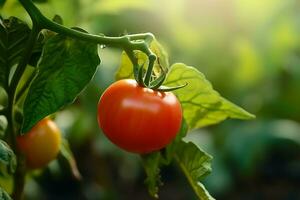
248,49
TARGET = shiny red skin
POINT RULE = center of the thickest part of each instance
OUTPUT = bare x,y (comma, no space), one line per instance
138,119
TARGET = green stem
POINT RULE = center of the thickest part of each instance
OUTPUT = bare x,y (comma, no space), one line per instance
125,42
19,176
149,70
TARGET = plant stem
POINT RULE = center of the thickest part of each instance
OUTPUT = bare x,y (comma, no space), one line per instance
19,175
149,70
125,42
19,178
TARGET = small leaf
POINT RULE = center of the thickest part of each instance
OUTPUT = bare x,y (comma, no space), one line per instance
13,36
8,161
162,62
151,163
202,105
67,65
68,157
43,37
195,164
3,125
57,19
4,195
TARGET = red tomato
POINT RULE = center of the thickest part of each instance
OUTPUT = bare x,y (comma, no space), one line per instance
138,119
41,144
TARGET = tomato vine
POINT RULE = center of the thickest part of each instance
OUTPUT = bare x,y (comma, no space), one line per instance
200,103
128,42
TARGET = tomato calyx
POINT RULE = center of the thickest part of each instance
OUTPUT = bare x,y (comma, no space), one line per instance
146,78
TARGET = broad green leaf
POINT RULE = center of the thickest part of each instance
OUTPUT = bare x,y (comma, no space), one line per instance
202,105
67,65
4,195
126,69
151,163
67,156
7,160
13,36
195,164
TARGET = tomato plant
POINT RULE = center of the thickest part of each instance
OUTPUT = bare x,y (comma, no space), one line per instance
138,119
150,115
41,144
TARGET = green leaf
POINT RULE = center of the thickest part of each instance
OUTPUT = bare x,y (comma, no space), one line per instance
151,163
3,125
195,164
67,65
58,19
66,156
126,69
202,105
13,36
4,195
43,37
8,161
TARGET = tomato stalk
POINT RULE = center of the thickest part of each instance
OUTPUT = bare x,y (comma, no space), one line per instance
149,70
157,83
12,133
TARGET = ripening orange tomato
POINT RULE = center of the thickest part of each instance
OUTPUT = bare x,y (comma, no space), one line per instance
41,144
